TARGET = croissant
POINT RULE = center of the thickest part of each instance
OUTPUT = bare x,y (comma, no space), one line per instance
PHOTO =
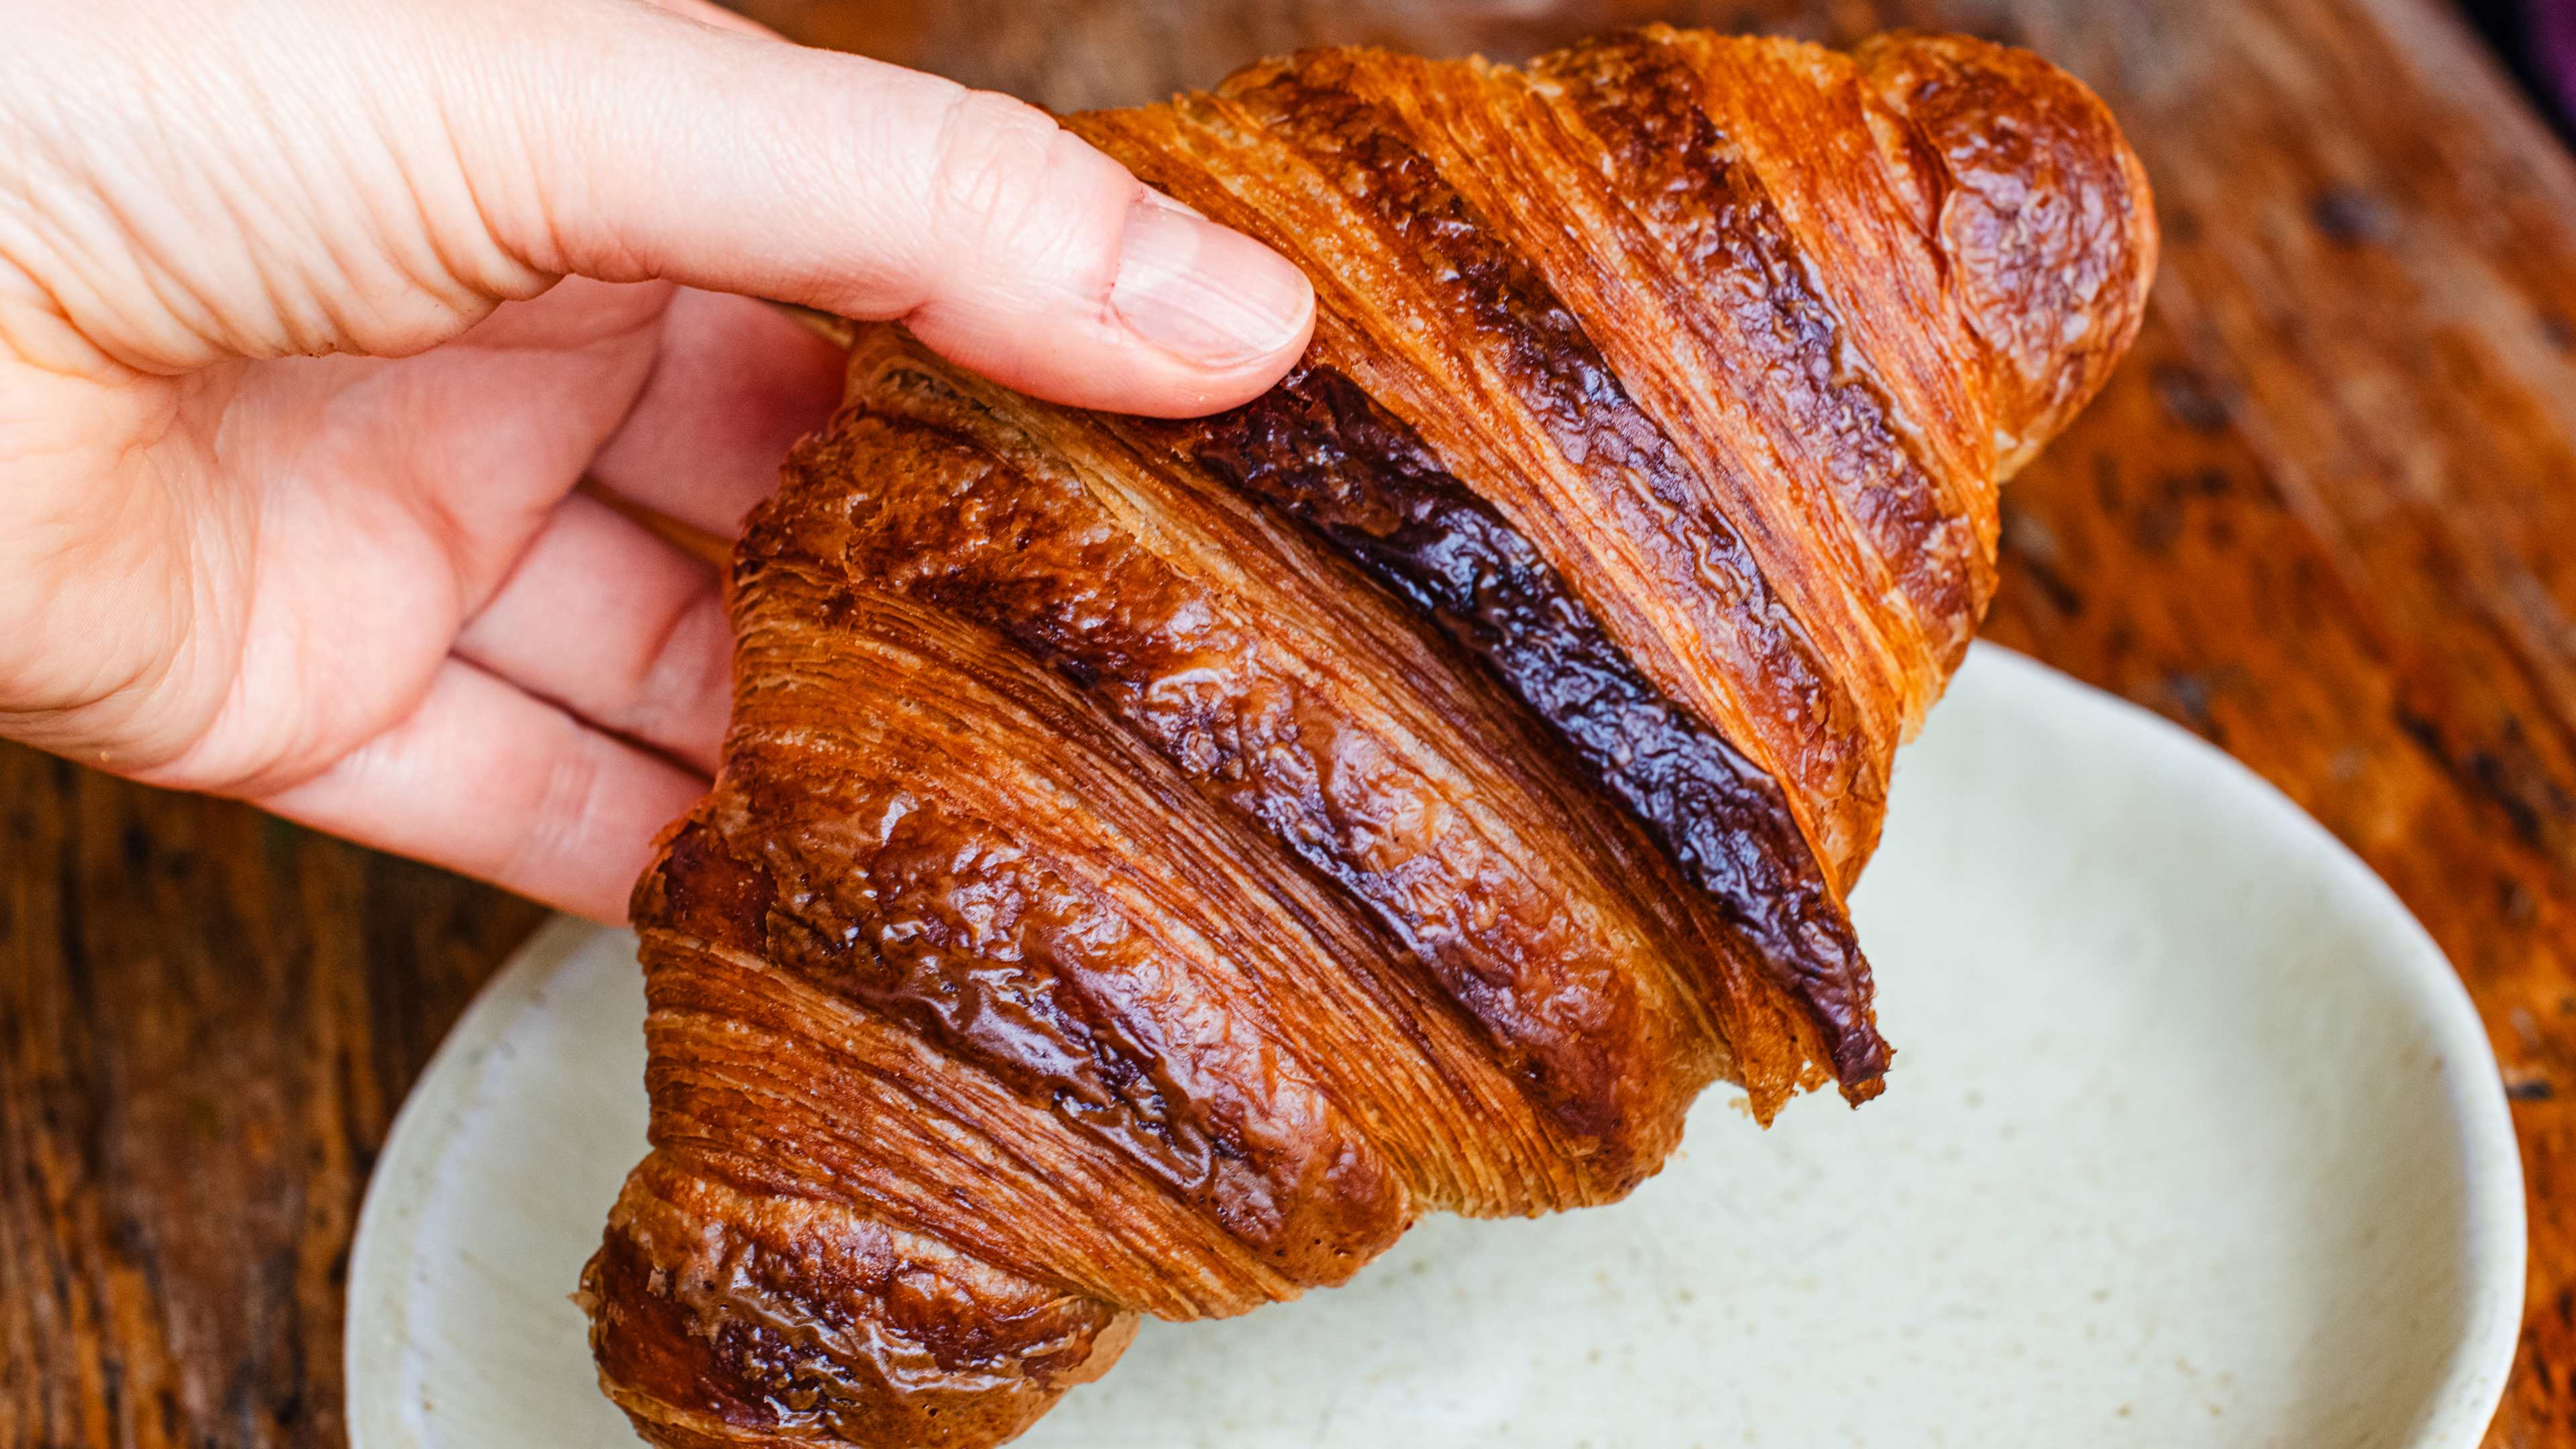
1153,862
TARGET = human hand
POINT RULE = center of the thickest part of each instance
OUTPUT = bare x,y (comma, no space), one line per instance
312,315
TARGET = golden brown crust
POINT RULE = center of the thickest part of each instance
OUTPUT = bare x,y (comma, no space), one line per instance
1155,862
799,1319
1433,312
1770,375
2043,216
1320,450
1145,588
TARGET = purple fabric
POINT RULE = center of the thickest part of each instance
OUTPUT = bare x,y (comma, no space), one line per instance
2552,24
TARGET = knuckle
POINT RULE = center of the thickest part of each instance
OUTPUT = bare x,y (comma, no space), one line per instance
996,167
685,675
573,794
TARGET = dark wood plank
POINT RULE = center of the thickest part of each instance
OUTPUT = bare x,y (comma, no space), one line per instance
207,1021
2326,516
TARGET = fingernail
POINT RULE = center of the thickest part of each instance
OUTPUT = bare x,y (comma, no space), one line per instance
1193,288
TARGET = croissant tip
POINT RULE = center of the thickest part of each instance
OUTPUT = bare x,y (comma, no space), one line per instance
2047,216
1864,1090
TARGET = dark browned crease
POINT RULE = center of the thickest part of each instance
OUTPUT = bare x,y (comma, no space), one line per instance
1809,723
1321,450
1519,154
917,902
1714,217
1567,1026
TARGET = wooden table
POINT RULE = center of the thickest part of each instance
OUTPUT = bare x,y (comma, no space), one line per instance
2325,516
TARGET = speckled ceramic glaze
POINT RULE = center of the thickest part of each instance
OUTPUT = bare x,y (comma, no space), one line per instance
2192,1138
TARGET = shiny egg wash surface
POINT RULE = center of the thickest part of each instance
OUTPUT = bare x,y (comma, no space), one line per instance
1154,864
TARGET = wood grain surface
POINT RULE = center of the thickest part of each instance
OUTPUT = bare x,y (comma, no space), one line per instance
2325,516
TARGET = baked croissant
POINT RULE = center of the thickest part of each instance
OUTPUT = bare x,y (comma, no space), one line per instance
1153,862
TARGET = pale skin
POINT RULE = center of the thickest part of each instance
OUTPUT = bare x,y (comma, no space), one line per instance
314,315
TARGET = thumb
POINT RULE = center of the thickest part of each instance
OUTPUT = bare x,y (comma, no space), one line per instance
632,142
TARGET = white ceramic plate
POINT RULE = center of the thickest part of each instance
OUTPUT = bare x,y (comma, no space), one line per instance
2192,1138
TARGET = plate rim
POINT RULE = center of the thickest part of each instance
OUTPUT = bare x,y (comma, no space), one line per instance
423,1128
2495,1214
